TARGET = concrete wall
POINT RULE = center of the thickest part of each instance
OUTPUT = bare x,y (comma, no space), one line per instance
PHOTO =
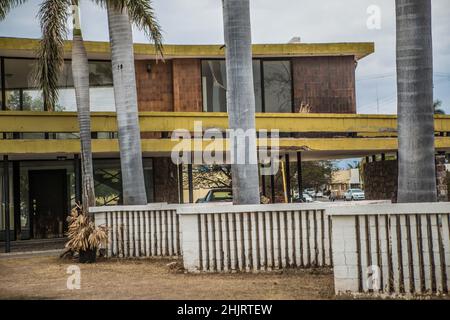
381,179
391,248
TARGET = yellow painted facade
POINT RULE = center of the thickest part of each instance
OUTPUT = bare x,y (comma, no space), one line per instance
27,47
370,132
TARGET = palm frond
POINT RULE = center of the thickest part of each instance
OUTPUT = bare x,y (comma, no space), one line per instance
82,233
8,5
143,16
53,15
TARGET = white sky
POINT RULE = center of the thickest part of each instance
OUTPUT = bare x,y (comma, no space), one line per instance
200,22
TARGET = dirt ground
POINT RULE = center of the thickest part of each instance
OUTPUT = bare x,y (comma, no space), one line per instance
45,277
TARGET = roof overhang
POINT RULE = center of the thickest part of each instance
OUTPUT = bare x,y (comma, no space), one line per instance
26,48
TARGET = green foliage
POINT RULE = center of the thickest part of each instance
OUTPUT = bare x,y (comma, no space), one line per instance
53,15
437,107
28,102
8,5
142,15
317,173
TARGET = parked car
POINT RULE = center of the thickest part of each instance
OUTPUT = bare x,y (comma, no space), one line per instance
305,198
310,191
217,195
319,194
354,194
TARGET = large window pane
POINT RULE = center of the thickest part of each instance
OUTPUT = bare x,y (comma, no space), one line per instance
21,92
101,88
277,86
11,207
214,85
108,181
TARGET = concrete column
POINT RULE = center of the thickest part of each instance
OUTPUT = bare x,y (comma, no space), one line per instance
299,174
6,203
190,241
441,177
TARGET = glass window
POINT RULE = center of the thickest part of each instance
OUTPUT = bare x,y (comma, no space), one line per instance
108,181
22,94
11,206
277,86
214,85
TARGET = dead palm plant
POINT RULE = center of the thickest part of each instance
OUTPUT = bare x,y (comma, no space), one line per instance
82,233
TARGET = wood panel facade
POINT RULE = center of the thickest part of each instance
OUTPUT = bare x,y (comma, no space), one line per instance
325,84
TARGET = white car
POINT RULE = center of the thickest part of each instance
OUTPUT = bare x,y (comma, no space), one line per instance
354,194
307,197
310,191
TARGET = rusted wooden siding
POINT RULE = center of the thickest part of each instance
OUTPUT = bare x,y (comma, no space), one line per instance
326,84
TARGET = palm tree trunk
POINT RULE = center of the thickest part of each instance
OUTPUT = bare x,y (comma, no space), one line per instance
241,100
416,177
122,56
80,71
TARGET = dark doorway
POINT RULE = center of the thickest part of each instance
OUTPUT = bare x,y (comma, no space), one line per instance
48,203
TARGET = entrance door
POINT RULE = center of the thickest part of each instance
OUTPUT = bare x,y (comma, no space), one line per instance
48,203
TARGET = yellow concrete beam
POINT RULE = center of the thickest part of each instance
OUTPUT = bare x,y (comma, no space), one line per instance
42,147
358,49
22,121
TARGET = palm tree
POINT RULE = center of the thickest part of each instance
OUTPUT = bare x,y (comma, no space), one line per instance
241,100
121,13
8,5
416,178
53,16
437,107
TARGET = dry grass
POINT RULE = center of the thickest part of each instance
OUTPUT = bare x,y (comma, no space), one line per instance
45,278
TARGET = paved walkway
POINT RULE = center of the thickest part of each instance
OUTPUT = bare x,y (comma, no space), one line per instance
21,247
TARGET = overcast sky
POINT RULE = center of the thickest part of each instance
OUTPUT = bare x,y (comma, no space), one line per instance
277,21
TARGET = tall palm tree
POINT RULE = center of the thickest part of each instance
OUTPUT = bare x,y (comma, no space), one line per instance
121,13
80,72
416,178
241,99
53,16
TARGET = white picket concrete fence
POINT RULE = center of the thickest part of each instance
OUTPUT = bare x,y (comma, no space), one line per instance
391,248
255,237
140,231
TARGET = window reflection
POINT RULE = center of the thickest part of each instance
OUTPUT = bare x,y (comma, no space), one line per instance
108,181
22,93
214,84
277,86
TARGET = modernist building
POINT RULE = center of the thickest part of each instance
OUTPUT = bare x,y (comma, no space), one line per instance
40,148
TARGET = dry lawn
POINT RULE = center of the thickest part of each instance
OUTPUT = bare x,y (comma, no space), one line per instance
44,277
